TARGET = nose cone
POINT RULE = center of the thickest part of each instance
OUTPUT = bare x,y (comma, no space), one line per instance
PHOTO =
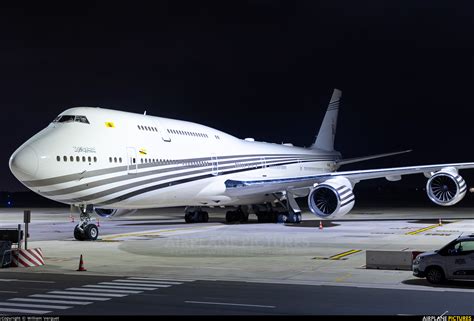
24,163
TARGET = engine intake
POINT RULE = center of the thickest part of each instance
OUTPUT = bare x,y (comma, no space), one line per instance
446,187
108,212
332,198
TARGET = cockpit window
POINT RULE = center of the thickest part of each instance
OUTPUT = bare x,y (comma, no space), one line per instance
82,119
66,119
70,119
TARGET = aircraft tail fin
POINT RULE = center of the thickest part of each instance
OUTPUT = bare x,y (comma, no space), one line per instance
327,131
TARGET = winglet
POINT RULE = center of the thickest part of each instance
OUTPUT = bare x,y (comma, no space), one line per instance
327,131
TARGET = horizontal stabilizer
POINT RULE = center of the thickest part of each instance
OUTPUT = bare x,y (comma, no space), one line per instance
361,159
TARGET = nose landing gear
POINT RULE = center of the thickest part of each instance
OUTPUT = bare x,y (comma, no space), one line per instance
86,230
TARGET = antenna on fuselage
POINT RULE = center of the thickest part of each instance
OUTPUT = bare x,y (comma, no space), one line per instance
144,113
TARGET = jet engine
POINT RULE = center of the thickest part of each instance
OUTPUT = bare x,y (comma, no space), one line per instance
108,212
446,187
331,199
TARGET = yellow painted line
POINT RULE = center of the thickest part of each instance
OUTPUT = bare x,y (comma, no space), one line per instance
422,230
337,256
343,254
344,277
157,232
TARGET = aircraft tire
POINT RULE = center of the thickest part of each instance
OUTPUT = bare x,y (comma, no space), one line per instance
91,232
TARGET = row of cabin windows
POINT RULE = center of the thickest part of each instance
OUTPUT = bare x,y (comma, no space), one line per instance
187,133
172,162
147,128
77,158
115,160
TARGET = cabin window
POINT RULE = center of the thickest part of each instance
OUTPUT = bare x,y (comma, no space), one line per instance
83,158
71,158
89,159
120,159
78,159
65,158
58,158
95,159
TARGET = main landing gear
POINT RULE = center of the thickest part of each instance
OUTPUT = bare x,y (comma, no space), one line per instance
86,230
239,215
196,215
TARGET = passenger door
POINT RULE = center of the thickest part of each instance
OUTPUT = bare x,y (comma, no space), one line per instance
215,165
131,160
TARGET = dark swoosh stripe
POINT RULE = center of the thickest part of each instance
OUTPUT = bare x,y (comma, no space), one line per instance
169,184
161,170
163,178
111,170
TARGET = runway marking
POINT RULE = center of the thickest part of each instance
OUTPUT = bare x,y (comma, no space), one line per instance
90,298
29,305
8,291
29,281
118,287
138,284
161,279
337,256
51,301
232,304
422,230
149,282
158,232
104,290
24,311
88,293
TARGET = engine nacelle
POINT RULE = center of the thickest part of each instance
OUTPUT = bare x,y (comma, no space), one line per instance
108,212
332,198
446,187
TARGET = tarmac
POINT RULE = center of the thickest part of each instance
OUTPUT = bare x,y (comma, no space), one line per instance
158,244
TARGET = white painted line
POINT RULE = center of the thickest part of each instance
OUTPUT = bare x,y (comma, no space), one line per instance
138,284
27,305
103,290
118,287
161,279
50,301
24,311
67,297
149,282
8,291
236,304
29,281
87,293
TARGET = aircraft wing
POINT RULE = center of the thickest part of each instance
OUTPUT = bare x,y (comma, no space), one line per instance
246,187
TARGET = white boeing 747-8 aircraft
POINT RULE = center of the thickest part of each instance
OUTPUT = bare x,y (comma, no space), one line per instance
112,162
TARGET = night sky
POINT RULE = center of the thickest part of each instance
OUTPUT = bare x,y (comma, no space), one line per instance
262,69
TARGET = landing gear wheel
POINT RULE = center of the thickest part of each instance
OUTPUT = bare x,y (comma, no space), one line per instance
205,217
435,275
282,218
91,232
79,234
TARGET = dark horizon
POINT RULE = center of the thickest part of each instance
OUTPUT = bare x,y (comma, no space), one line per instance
262,69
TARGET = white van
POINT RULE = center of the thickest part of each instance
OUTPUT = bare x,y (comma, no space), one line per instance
453,261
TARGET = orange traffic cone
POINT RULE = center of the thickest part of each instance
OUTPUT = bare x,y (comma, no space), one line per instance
81,265
440,222
320,225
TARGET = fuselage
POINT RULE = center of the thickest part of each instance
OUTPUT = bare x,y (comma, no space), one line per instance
116,159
